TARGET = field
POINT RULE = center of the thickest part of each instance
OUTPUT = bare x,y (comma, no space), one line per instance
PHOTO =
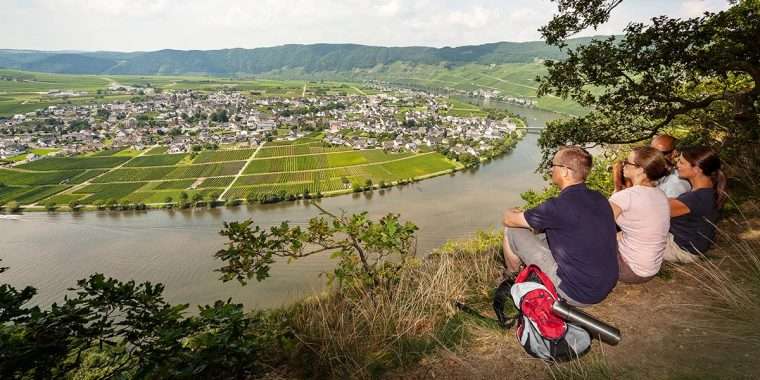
28,90
50,164
223,155
299,149
156,160
510,79
294,167
320,161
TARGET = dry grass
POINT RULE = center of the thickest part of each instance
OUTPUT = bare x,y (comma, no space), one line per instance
363,335
731,281
413,330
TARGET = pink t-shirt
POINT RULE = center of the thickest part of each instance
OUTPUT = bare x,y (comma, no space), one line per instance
644,222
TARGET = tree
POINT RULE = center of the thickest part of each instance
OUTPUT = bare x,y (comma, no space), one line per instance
12,206
74,205
50,206
168,202
198,199
213,198
112,204
370,253
700,74
138,334
125,205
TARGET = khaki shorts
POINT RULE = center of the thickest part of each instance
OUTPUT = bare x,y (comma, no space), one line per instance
674,253
533,249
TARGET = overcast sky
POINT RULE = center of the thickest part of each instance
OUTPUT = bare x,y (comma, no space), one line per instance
141,25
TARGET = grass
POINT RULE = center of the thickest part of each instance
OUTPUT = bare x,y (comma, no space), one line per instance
363,335
157,150
732,283
37,151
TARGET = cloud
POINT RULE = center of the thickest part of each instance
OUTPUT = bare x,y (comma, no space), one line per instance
214,24
696,8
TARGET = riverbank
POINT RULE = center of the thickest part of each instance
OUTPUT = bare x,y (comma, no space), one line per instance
506,146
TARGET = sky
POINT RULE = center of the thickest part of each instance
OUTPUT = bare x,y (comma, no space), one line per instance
146,25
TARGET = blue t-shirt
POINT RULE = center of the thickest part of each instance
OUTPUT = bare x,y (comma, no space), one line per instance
580,229
695,231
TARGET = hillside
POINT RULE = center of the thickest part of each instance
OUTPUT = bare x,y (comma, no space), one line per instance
308,58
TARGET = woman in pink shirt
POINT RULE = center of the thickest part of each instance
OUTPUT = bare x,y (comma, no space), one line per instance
642,212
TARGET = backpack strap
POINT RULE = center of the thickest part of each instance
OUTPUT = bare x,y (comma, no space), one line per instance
500,298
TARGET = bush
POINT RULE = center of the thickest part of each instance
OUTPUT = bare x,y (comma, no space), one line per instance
51,206
99,204
12,207
112,329
74,205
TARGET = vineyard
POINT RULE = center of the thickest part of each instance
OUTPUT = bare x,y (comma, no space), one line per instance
74,163
156,160
301,149
321,161
152,176
223,155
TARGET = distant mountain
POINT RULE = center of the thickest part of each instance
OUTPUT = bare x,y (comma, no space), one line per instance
308,58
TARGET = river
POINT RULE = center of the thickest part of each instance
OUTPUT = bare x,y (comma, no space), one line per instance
52,251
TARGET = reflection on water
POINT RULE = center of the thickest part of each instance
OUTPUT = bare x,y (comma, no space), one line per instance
176,247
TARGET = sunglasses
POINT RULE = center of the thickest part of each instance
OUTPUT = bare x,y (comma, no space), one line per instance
626,162
551,165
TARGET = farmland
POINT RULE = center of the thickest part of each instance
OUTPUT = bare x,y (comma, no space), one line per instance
152,176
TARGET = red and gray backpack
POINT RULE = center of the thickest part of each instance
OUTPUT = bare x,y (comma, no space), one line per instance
541,332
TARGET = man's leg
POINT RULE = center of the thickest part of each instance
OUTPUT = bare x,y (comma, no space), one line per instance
528,248
511,261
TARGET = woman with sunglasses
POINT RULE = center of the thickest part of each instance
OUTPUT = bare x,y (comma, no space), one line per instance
694,213
643,214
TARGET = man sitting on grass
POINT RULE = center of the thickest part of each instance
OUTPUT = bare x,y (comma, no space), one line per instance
577,246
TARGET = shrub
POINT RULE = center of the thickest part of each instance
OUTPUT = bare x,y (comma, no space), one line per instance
51,206
369,253
74,205
12,207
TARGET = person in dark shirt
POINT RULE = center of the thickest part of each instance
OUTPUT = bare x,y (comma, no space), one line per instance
572,237
694,213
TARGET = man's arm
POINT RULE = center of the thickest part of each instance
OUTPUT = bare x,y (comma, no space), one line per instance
515,218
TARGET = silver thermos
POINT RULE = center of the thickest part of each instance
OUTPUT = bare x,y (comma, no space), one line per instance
608,334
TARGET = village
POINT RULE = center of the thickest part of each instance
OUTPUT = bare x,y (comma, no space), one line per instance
189,120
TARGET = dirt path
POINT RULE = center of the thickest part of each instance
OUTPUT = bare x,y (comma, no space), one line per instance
242,170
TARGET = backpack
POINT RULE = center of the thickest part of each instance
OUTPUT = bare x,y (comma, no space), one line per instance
541,332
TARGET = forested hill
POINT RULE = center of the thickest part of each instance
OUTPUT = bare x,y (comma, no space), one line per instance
309,58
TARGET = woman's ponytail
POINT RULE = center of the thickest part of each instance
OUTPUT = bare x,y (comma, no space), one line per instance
709,161
719,185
